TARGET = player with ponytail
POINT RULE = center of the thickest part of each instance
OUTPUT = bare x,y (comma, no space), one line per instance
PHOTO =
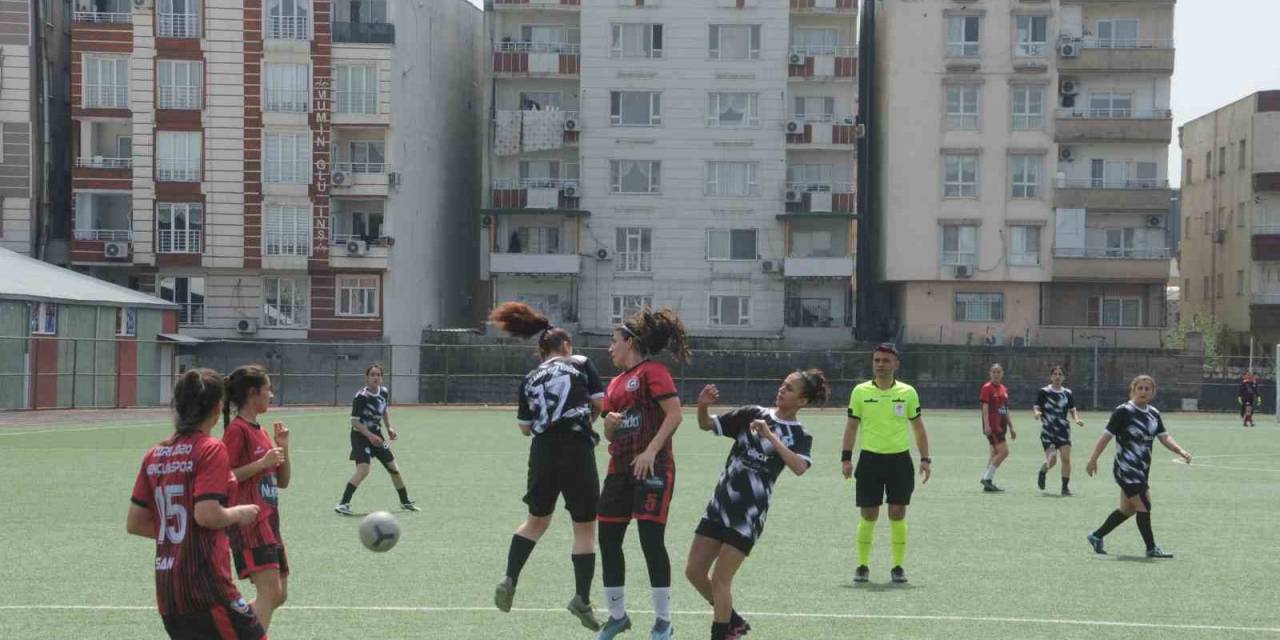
370,410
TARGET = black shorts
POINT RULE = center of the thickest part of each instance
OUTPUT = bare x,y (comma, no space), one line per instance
362,450
1133,489
267,556
731,537
224,622
624,498
997,437
1052,441
563,462
884,477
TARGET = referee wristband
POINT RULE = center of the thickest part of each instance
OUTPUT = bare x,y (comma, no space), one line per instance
926,460
846,455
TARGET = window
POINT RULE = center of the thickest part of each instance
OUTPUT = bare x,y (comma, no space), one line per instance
810,177
180,84
356,89
178,227
1222,161
1186,231
1106,174
126,322
188,294
733,110
358,296
555,37
1119,242
1110,104
962,36
1115,312
959,245
287,88
545,174
1033,36
731,244
636,41
287,230
287,159
818,238
1244,156
535,239
1025,176
178,156
815,108
635,176
363,156
1219,288
106,83
732,179
1026,246
178,19
1117,34
44,318
626,306
1028,107
730,311
962,107
961,179
1205,292
284,302
1239,282
979,307
289,19
1208,165
809,312
815,41
635,108
539,100
361,11
359,225
1147,172
1240,218
635,250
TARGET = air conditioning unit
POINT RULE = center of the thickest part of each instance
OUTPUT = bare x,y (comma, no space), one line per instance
770,266
796,59
847,121
794,196
357,247
860,130
964,271
393,179
571,124
1065,154
602,254
1155,222
1069,49
1068,88
246,326
1220,236
339,178
115,250
141,4
570,191
795,126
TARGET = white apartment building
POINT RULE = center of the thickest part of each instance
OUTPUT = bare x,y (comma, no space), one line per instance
1024,179
692,154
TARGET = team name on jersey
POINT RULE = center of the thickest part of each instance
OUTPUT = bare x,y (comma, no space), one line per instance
174,466
164,564
172,450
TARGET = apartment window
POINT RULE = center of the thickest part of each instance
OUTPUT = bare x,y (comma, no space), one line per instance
962,36
733,110
556,36
287,158
815,108
127,322
1220,287
625,306
1114,312
106,83
535,239
178,156
1118,34
635,108
961,176
635,176
363,156
730,311
284,302
1110,104
732,179
1106,174
180,84
635,250
189,294
731,244
356,89
1244,156
44,318
545,174
1186,231
1024,175
1239,282
815,41
636,41
287,230
1119,242
1026,246
178,18
979,307
289,19
1027,108
358,296
361,11
959,245
962,106
358,225
810,177
1206,291
1208,165
1033,36
539,100
287,87
1240,218
1222,161
178,226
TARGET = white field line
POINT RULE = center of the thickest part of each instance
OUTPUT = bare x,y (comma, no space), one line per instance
1195,462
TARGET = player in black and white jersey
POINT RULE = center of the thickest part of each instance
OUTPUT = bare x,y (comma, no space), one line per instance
558,401
1134,425
1056,409
370,408
765,441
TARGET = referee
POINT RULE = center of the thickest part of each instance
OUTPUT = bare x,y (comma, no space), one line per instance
884,472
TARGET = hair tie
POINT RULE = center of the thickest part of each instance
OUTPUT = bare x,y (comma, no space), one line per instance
628,331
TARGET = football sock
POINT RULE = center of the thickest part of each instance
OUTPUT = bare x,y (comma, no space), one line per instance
404,495
866,534
662,603
719,630
1114,520
347,493
898,538
584,569
1066,481
655,552
990,474
517,555
616,600
1144,527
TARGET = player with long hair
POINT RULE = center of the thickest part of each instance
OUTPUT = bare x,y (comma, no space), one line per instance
558,401
765,441
1134,425
996,423
1054,405
370,409
261,468
643,413
1249,399
180,502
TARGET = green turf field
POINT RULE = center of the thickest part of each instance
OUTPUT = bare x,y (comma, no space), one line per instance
982,566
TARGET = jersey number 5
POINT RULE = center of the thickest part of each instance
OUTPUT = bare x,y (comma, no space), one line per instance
171,510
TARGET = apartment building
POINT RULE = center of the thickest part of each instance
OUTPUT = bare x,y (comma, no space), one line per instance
1023,176
280,169
1230,256
696,154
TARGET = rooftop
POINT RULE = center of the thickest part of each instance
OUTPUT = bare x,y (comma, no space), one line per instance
30,279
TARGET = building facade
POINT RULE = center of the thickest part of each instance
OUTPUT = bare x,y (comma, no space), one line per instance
692,155
1023,177
1230,258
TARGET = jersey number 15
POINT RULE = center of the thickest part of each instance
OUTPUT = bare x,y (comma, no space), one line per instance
171,510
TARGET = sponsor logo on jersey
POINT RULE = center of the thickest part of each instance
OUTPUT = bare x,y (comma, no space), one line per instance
267,489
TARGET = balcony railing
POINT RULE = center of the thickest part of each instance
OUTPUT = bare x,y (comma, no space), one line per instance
178,25
178,241
286,171
288,28
102,162
1111,253
190,313
533,183
341,239
1120,113
178,170
633,262
106,96
820,187
286,100
1266,229
364,32
1265,298
108,235
361,167
287,244
104,17
1126,43
811,50
1105,183
536,47
183,98
824,118
356,102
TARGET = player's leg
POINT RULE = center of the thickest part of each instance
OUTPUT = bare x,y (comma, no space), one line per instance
697,569
362,472
388,461
271,594
870,484
614,517
578,481
727,564
653,544
1114,519
1050,459
898,495
1065,452
1142,514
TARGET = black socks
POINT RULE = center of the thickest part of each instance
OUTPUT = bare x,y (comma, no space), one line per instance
584,569
1144,527
521,547
347,493
1114,520
404,495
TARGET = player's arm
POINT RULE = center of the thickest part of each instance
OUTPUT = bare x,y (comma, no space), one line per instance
1075,415
985,426
922,444
846,445
285,470
1169,443
797,463
611,422
212,515
1103,440
706,398
272,459
671,420
140,521
597,407
386,419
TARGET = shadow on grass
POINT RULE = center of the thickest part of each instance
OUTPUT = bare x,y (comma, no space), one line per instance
878,587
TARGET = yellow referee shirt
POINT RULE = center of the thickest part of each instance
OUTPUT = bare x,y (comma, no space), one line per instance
884,415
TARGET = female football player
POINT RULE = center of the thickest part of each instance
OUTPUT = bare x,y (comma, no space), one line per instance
370,409
1054,405
994,399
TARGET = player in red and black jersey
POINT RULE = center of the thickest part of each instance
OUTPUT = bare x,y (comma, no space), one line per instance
179,500
261,468
996,423
643,413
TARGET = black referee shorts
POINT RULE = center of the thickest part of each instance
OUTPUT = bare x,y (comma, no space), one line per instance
884,477
563,462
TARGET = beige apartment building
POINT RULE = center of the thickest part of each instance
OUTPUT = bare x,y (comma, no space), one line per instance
1022,161
1230,256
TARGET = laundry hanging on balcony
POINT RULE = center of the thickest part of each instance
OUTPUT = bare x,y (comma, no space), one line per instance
506,141
543,130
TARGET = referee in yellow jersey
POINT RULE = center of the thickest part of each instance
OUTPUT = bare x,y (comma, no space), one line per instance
883,407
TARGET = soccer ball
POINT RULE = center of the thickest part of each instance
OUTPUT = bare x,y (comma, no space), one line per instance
379,531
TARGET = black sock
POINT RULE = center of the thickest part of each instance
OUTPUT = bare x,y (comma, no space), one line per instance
404,495
736,620
1065,482
719,630
1044,468
347,493
1144,527
517,555
1114,520
584,569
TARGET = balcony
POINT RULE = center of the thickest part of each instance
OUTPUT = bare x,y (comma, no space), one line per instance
841,267
364,32
363,178
1101,264
1113,195
178,25
533,129
822,62
106,96
102,162
1114,125
534,193
100,220
536,59
824,6
812,197
178,170
296,27
538,5
103,12
534,263
1117,54
178,241
185,98
821,131
1266,181
1265,243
